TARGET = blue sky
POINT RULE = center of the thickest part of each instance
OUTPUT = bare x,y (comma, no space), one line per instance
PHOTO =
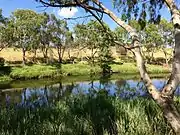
9,6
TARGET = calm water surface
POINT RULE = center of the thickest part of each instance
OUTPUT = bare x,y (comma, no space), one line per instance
46,93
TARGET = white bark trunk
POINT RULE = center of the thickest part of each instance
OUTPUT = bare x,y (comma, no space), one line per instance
174,79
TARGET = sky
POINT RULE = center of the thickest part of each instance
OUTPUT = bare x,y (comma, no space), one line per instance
8,6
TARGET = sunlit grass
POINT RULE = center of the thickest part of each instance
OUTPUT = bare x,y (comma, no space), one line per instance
80,69
53,71
35,71
5,78
132,68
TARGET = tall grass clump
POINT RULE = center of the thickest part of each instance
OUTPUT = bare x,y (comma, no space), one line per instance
95,113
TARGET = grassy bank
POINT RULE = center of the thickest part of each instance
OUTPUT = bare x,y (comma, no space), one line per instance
86,115
53,71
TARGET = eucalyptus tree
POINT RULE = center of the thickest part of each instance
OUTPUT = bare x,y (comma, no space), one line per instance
5,31
69,42
45,35
152,41
121,39
6,35
87,36
130,9
81,39
166,31
2,18
25,23
93,37
61,36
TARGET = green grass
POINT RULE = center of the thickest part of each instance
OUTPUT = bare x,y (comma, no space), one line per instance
48,71
5,78
131,68
91,114
33,72
80,69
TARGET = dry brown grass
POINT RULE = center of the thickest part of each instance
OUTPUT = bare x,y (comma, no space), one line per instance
9,54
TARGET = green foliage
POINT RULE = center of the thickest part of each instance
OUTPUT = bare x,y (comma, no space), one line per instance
25,22
5,78
22,28
5,31
98,39
61,37
79,69
139,10
166,30
2,18
131,68
121,35
153,37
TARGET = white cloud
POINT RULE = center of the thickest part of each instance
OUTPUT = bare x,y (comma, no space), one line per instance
67,12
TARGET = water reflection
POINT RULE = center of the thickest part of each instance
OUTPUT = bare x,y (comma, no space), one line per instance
45,95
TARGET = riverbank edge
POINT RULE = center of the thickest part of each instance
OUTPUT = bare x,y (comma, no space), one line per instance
54,72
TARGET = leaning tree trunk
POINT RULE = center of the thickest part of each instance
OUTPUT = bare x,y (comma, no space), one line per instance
163,99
